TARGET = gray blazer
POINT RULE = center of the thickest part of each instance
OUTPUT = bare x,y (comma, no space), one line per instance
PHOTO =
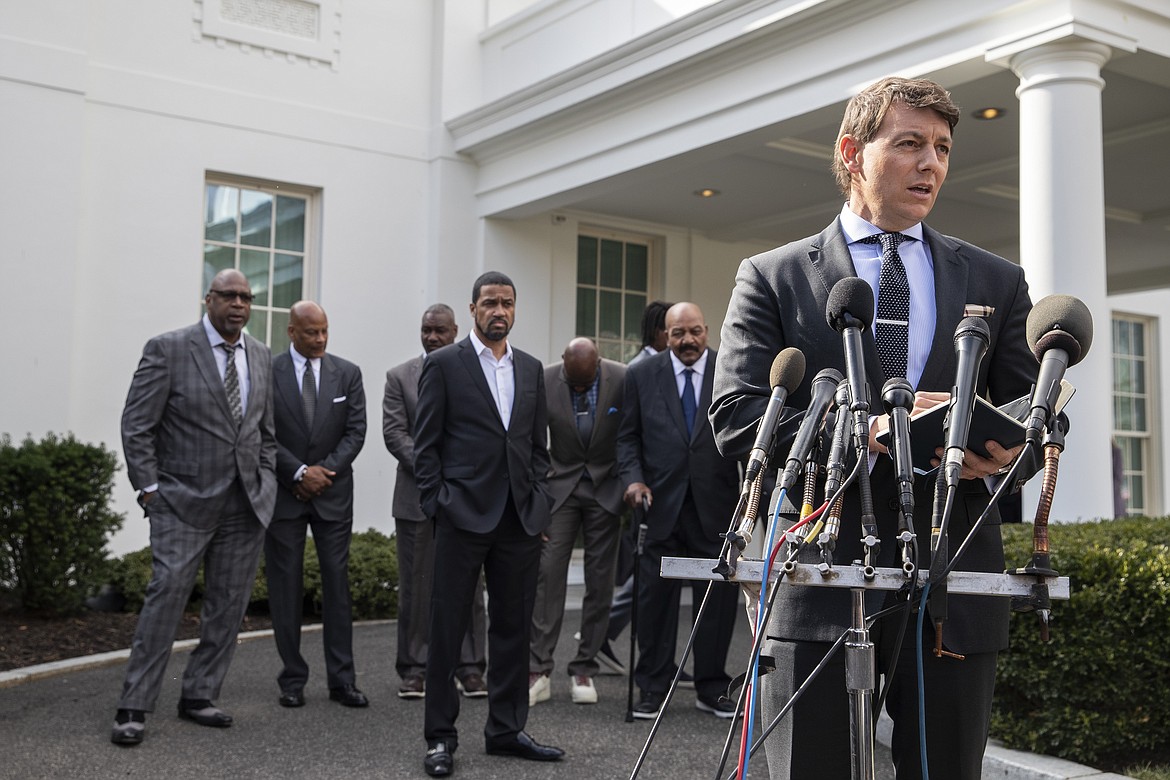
398,409
339,430
177,429
570,457
779,301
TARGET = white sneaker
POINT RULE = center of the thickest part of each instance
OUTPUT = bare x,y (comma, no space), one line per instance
583,690
539,688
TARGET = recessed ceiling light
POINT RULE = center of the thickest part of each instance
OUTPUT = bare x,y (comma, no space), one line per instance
989,113
706,192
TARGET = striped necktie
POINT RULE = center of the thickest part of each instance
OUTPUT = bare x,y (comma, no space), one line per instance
231,383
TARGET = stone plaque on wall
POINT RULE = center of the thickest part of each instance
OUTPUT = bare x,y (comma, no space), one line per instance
299,30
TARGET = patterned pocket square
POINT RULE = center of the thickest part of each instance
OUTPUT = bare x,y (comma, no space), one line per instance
612,410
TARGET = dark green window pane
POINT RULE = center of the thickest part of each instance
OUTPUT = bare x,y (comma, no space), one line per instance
216,259
609,319
288,275
1123,413
1139,415
1138,377
636,267
255,218
279,332
1139,338
1121,374
254,265
257,326
635,305
290,223
1137,489
1121,337
586,313
611,263
219,218
586,260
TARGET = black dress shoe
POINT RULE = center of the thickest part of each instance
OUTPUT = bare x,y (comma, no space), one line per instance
650,705
129,727
204,713
524,746
349,696
440,761
292,699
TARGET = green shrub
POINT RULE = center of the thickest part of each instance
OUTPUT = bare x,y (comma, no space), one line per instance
1096,693
373,578
55,520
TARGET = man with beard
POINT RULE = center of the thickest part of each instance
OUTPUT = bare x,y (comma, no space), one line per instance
667,459
481,460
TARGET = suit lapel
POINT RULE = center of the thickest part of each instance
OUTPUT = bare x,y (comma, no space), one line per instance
561,408
950,297
205,363
474,369
327,389
668,386
704,395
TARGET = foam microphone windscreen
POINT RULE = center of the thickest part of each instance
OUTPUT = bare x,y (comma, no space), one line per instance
852,295
1060,322
787,369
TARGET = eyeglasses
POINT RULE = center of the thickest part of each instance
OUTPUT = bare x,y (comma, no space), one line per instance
231,295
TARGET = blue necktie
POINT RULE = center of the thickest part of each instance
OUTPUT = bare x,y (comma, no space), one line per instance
688,401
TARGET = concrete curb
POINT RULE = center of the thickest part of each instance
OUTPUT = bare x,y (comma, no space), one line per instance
1000,763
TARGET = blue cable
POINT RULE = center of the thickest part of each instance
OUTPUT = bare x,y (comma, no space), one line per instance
922,684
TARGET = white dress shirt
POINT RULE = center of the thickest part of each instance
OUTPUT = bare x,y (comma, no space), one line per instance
220,355
500,376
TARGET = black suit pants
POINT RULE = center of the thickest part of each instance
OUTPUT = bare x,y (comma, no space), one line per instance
510,559
814,739
658,608
284,554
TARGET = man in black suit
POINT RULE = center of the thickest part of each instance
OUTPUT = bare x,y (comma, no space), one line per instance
668,460
320,407
891,158
481,460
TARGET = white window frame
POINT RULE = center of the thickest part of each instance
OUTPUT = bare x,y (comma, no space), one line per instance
629,348
1150,502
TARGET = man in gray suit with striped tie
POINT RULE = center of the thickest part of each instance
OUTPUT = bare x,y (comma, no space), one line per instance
200,448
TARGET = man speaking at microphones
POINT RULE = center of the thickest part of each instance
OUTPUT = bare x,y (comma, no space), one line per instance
890,159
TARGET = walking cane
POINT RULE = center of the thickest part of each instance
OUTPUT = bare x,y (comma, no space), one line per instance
639,543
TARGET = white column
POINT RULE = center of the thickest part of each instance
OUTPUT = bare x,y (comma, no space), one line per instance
1062,248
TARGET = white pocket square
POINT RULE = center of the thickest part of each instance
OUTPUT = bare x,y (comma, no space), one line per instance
339,399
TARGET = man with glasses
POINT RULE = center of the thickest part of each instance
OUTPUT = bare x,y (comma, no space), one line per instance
200,447
584,409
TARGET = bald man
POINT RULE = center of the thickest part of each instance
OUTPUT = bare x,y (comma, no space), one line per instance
584,397
320,410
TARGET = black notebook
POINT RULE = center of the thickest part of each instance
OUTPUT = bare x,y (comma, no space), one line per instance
1004,424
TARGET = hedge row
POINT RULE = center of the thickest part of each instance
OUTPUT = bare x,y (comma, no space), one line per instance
1097,692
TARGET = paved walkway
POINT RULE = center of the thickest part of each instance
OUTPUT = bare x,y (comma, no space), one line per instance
57,725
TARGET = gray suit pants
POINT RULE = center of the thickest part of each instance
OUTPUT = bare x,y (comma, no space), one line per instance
230,552
601,529
416,564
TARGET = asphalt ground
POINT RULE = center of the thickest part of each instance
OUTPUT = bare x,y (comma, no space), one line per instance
58,725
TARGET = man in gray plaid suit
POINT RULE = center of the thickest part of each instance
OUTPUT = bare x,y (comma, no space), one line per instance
198,437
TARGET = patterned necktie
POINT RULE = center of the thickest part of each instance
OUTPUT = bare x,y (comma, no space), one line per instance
688,401
891,327
231,383
584,418
308,394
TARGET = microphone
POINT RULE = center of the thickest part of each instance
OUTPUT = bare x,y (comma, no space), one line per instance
1059,332
785,376
823,388
898,400
849,311
971,340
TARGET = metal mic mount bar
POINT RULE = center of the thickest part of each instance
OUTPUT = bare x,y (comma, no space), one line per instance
962,582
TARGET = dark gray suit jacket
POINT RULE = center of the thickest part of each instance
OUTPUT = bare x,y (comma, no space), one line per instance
339,430
779,301
465,462
569,455
398,409
653,448
177,429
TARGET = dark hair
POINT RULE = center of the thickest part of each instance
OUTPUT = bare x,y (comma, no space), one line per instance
653,320
867,109
490,277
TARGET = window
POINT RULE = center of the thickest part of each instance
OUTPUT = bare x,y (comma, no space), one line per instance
263,231
613,277
1133,410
